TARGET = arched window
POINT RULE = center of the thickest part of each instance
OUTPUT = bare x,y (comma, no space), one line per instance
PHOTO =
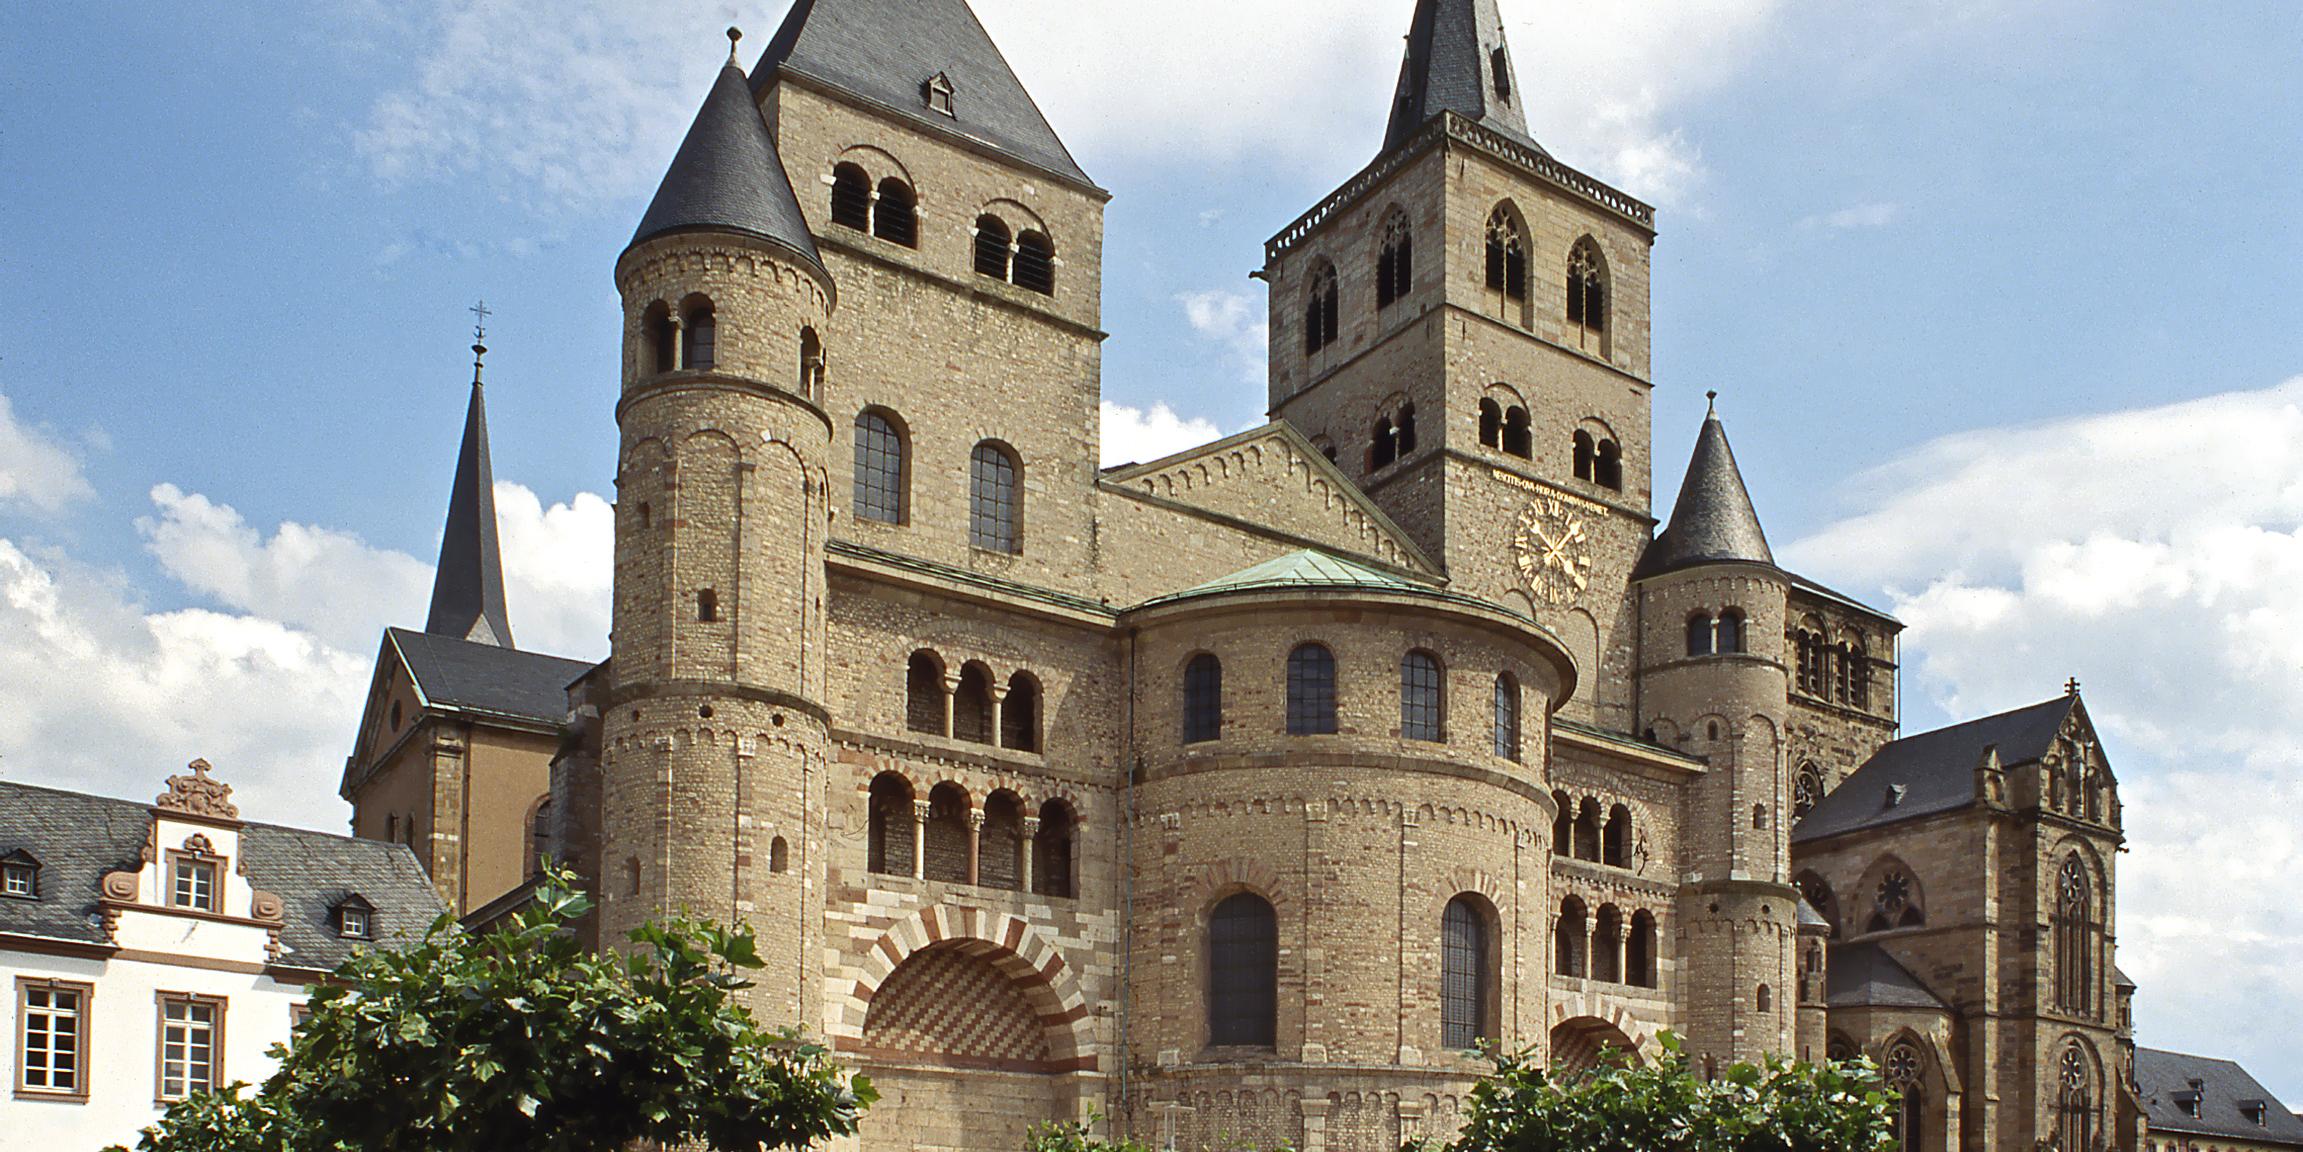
895,215
1699,628
1858,662
1321,311
995,500
1639,951
1467,973
1420,697
1607,466
779,855
1562,824
1310,691
992,241
882,461
1406,430
972,705
944,854
1203,699
1807,642
1243,973
1570,939
1730,631
699,335
1587,831
1895,902
1000,842
1764,999
811,363
1584,454
1607,945
924,694
1035,263
1806,789
1901,1070
1506,717
1490,424
1395,268
1052,851
539,836
1615,841
2075,1099
891,826
851,198
1818,894
663,338
1518,436
2075,938
1506,255
1020,714
1587,286
1382,444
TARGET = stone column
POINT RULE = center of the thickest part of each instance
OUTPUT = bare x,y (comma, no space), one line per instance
975,843
679,341
951,693
1031,842
920,811
999,699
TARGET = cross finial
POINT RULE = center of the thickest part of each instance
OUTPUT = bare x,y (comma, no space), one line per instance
480,316
2071,688
1711,403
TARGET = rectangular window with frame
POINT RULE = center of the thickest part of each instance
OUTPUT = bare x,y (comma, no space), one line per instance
20,880
52,1035
191,1044
195,884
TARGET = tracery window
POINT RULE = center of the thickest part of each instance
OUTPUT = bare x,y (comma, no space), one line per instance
1420,697
1321,311
1806,789
1895,902
1395,268
995,500
1203,699
1467,973
881,459
1310,691
1901,1070
1587,286
1506,255
1506,717
2075,1107
1243,972
2076,939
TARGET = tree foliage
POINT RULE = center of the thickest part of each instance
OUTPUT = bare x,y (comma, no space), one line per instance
1077,1136
523,1040
1778,1106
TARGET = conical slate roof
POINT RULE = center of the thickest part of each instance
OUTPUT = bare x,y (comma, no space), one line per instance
1457,61
1713,521
468,587
885,52
728,178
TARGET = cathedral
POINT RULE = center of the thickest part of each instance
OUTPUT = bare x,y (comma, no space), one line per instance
1242,796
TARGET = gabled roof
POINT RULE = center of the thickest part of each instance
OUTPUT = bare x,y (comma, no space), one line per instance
468,586
885,51
1457,61
78,838
2224,1092
461,676
1865,976
1935,771
727,177
1713,521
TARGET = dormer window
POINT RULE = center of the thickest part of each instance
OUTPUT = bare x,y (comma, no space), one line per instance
20,876
195,884
2256,1111
355,919
938,94
1499,63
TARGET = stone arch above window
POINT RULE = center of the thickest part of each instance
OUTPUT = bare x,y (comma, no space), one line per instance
924,699
1322,309
1490,423
1035,262
995,499
895,213
883,466
1053,851
1469,969
1020,713
1518,433
1395,265
1587,288
994,251
852,197
1506,254
910,1014
1243,972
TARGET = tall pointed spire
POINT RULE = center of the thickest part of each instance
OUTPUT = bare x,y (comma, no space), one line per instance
1457,61
1713,521
727,177
468,586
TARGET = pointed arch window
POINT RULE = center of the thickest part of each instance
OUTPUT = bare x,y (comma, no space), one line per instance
1321,311
2075,1098
1901,1070
995,500
699,335
1896,902
1806,789
2077,947
1310,691
1420,697
1243,972
1506,717
1395,267
895,214
882,463
1506,255
992,241
1467,980
852,197
1203,699
1587,286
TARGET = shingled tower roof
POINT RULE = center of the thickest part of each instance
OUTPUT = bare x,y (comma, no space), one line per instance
1457,61
1713,521
728,178
468,587
886,52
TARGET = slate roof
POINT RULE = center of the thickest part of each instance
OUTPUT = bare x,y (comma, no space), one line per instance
2224,1090
1865,976
463,676
1307,569
468,586
77,838
1809,917
1713,521
727,177
885,51
1452,46
1935,770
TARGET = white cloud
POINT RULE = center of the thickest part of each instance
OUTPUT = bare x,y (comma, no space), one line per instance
559,570
2155,554
1855,217
1236,322
579,103
1139,435
36,470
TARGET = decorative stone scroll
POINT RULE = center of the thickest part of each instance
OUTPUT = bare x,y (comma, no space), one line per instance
198,795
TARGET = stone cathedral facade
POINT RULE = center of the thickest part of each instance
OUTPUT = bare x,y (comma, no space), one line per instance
1239,795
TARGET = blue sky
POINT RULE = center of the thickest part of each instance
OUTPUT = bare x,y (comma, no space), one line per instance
2002,299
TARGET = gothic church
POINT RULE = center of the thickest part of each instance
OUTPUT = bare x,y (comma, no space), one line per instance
1239,795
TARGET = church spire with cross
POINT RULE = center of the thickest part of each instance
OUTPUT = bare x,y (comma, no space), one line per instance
1457,61
468,587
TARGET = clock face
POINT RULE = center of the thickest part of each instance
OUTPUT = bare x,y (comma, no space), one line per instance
1554,550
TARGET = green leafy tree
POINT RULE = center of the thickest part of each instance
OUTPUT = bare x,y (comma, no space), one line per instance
522,1040
1077,1136
1778,1106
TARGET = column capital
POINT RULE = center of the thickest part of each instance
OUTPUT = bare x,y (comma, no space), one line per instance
922,810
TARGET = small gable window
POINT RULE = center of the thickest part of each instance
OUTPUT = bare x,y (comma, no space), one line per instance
937,93
20,876
355,919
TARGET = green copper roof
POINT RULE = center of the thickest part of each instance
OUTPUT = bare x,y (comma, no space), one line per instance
1304,569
